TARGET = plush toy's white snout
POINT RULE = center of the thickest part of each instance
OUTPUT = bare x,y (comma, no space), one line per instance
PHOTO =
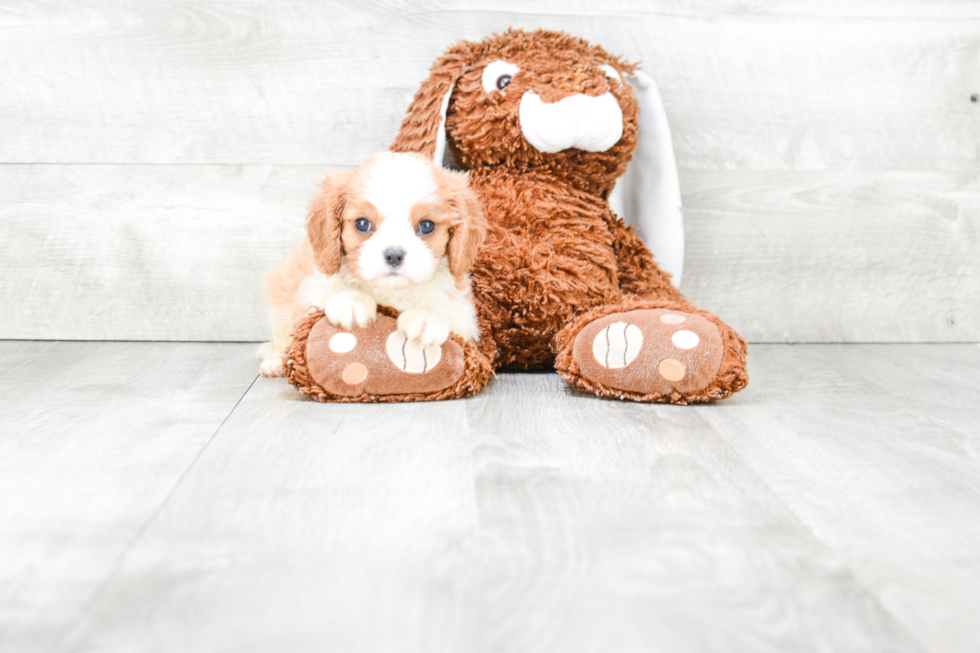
593,124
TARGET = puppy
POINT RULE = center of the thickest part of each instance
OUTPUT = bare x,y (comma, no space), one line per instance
398,232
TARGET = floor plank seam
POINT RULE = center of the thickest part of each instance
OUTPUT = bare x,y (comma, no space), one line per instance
73,623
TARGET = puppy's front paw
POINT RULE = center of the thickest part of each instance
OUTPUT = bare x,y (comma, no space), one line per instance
350,308
426,327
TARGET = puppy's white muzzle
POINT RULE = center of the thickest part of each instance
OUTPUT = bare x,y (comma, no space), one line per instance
593,124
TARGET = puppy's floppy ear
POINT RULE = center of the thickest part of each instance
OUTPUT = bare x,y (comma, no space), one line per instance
423,130
323,222
470,226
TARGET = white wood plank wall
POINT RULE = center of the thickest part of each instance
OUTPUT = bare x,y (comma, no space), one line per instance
156,158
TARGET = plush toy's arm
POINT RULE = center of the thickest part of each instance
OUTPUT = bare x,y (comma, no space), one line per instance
638,273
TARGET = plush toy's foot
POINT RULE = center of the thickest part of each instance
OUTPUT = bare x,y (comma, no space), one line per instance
377,364
678,354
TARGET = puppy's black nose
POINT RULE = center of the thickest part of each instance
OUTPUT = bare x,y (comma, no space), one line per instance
394,256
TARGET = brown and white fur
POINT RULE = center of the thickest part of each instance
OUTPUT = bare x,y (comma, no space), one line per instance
348,272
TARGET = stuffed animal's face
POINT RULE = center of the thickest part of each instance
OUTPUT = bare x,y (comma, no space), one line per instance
529,100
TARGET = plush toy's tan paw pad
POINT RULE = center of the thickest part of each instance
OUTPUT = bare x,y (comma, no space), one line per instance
411,356
650,351
378,360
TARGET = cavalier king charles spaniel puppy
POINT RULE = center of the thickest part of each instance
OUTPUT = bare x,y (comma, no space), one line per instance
399,232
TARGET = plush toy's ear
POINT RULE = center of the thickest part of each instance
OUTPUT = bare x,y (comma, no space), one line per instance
424,129
649,193
323,222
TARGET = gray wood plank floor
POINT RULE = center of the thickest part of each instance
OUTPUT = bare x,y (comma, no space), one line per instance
159,497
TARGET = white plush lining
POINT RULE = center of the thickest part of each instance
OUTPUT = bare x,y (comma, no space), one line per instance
439,156
649,194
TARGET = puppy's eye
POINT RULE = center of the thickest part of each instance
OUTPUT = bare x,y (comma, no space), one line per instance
363,225
426,227
497,75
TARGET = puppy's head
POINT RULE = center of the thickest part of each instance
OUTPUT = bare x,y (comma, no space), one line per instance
394,219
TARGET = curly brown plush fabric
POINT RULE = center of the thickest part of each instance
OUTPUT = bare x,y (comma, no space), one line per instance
556,258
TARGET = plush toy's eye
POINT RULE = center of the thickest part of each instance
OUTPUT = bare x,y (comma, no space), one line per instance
497,75
363,225
611,73
426,227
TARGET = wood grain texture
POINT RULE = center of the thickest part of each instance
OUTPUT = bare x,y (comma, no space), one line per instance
93,439
180,252
616,526
832,506
827,152
747,85
145,252
877,450
836,256
308,527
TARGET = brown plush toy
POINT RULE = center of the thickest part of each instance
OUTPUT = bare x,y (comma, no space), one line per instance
545,124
